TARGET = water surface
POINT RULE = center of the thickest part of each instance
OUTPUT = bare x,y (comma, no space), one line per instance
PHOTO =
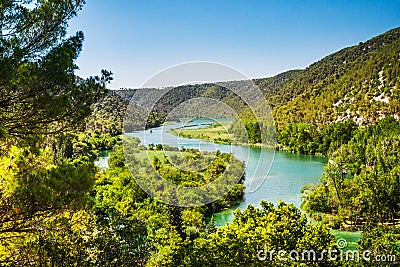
284,178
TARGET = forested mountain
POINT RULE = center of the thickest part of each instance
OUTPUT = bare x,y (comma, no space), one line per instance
360,83
156,105
108,114
317,109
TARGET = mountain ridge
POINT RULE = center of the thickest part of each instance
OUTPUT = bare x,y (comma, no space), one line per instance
337,77
359,82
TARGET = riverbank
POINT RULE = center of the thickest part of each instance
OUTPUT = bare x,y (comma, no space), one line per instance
217,133
283,182
213,133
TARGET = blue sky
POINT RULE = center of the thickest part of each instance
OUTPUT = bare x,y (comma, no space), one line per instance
138,38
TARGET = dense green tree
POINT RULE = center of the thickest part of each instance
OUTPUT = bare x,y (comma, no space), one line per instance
39,92
256,233
361,182
43,176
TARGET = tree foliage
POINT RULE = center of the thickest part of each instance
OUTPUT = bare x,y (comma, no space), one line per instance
361,182
39,92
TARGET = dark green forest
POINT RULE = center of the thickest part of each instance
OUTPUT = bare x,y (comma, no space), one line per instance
58,209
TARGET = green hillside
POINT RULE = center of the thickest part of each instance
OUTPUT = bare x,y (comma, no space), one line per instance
317,109
359,83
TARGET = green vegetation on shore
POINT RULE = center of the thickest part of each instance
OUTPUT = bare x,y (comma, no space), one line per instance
215,133
360,185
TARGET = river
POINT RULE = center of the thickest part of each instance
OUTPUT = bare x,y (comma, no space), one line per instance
284,179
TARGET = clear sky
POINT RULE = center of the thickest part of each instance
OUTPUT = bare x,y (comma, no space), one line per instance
138,38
